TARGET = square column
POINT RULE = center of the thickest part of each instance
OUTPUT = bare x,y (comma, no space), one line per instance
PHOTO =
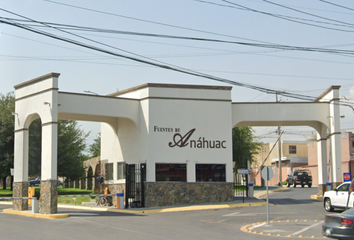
20,185
20,189
49,151
21,155
49,197
322,164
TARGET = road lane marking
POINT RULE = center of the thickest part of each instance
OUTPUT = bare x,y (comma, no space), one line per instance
307,228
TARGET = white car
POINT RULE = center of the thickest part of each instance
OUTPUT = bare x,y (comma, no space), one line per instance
338,198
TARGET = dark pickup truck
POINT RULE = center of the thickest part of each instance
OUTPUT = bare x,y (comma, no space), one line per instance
299,177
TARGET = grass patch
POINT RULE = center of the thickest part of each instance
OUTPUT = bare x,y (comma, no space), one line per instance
5,192
74,191
61,191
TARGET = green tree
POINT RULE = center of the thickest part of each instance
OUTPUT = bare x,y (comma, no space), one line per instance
71,144
95,147
245,146
7,106
35,146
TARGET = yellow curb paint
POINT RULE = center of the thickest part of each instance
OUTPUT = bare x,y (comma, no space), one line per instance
36,215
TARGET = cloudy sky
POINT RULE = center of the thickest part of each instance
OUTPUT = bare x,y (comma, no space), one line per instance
297,46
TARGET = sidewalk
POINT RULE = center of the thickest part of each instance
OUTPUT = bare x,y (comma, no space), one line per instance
257,200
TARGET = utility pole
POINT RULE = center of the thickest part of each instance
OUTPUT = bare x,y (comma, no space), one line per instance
279,148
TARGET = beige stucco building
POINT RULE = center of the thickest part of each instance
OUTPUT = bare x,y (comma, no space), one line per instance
293,154
178,136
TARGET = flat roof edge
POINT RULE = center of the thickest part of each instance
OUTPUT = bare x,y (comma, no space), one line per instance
35,80
165,85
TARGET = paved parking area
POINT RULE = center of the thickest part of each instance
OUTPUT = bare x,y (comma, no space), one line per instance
287,228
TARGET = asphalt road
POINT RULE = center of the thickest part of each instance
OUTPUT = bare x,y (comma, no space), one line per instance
293,204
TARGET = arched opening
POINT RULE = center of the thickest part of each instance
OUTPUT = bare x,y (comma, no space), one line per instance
34,150
89,178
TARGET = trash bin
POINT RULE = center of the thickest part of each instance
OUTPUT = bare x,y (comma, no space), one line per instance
120,200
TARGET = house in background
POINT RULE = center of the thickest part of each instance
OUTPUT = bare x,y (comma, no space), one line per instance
302,155
294,154
347,150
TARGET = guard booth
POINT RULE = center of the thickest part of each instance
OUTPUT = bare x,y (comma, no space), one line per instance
134,185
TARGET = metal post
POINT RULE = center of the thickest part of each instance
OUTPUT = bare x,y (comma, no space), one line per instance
267,196
279,147
142,172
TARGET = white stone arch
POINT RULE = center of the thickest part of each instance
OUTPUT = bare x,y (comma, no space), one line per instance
323,115
36,98
40,98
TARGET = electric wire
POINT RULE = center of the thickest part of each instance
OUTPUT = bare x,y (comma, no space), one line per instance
181,70
337,5
287,18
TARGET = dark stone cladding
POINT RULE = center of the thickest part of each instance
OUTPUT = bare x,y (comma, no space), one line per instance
116,188
49,197
20,189
160,194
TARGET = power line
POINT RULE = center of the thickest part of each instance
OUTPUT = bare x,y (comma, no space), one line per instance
271,46
181,70
310,14
165,66
148,21
337,5
288,18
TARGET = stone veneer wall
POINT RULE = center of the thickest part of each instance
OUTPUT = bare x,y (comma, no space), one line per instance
116,188
20,189
49,197
182,193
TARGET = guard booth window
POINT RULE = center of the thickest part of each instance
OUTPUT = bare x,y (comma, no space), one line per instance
109,171
171,172
121,171
210,172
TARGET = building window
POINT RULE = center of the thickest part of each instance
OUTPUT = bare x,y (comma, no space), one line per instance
292,149
210,172
353,144
171,172
121,171
109,171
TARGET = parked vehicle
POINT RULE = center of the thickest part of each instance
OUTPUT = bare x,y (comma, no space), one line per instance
299,177
35,182
338,198
60,183
339,226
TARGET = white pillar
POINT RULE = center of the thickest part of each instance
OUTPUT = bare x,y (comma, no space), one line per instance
191,174
335,136
21,155
49,151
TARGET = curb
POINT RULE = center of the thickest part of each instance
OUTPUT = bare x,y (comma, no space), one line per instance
317,197
258,195
143,211
189,208
36,215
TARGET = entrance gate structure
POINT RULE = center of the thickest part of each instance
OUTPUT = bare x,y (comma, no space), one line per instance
134,185
139,132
